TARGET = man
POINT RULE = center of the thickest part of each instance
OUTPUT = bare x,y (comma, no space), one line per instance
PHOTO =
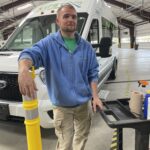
71,76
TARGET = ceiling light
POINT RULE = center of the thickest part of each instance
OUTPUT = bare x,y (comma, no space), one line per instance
24,6
107,5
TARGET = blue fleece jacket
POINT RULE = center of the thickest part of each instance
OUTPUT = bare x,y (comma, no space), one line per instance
68,75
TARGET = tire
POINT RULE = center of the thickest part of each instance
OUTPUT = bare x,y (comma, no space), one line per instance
113,73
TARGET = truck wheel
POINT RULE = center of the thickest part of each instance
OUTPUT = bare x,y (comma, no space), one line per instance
113,73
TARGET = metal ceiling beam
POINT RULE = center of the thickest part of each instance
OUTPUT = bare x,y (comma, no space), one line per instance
117,3
7,32
145,15
13,4
8,22
125,22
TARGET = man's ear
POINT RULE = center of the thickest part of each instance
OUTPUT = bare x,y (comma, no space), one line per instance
57,21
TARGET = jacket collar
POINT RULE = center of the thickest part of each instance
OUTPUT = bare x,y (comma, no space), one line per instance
59,38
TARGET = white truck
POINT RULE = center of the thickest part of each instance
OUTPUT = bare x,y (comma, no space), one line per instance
96,24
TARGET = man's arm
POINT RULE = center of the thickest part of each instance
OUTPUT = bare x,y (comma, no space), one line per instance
96,101
26,83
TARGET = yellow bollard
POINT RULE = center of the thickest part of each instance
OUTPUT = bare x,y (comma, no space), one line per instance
32,121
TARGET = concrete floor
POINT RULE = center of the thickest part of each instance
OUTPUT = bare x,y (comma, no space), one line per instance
133,65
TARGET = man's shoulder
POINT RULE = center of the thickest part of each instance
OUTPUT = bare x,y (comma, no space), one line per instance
86,43
87,46
55,36
49,37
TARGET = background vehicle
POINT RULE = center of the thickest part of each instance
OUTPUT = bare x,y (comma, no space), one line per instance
93,24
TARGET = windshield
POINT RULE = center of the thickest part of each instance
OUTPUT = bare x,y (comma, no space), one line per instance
37,28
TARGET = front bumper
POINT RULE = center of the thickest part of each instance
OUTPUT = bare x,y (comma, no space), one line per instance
15,109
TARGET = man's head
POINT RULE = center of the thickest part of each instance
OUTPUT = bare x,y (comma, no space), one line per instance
67,18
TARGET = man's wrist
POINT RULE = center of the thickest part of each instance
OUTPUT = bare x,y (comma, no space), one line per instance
95,97
24,65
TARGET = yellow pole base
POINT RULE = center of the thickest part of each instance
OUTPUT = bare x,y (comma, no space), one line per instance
33,134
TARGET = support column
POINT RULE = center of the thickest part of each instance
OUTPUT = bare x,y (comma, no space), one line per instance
132,38
119,38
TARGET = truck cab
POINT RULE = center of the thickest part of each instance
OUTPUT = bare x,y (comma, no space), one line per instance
96,24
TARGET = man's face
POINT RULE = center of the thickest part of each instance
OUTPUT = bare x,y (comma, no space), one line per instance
67,19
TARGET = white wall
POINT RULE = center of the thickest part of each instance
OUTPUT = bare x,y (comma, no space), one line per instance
125,38
143,35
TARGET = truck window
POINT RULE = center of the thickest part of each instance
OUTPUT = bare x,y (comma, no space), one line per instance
93,35
109,30
31,33
37,28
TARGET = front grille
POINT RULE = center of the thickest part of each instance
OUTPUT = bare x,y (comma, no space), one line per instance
10,92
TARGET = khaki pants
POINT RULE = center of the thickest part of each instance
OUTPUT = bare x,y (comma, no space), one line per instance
72,126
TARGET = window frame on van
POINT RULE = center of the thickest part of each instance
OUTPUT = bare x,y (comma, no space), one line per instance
111,27
83,16
96,45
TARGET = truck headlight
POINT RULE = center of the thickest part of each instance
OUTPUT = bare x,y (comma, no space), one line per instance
42,76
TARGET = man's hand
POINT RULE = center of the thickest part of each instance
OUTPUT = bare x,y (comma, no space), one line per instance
27,85
96,102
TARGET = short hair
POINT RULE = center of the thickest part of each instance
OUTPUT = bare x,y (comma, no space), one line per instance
68,5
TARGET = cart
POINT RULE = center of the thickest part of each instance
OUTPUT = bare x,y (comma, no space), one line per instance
123,118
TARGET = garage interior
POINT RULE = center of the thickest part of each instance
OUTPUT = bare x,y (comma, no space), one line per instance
133,65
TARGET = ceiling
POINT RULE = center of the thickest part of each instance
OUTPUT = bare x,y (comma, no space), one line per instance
128,12
131,12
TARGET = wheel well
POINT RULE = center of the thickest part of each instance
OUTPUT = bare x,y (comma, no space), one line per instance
114,69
